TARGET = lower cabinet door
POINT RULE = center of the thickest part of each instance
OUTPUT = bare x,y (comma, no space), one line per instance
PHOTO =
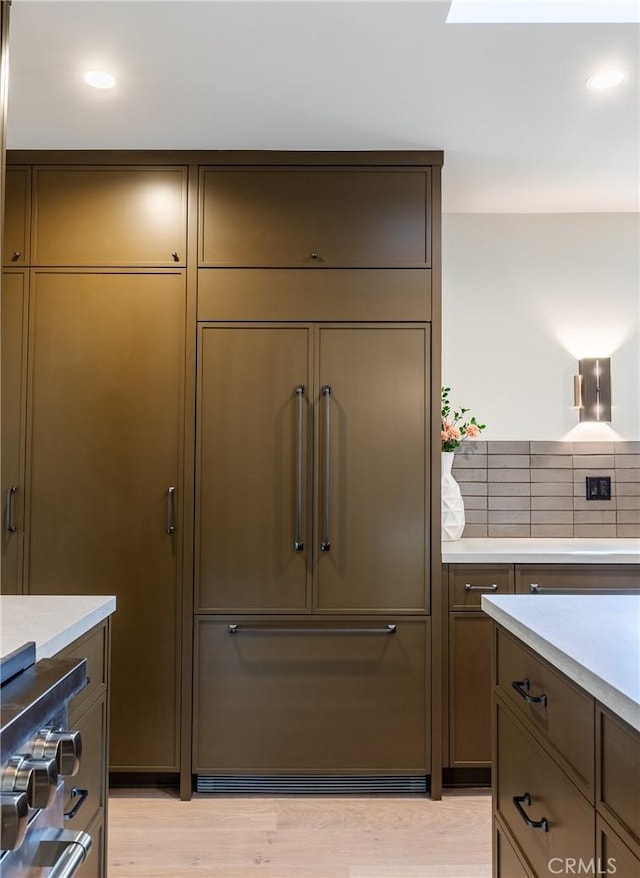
304,695
85,792
550,821
95,864
613,855
507,862
469,690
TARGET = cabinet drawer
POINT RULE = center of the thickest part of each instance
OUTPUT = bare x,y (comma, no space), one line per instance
15,249
300,217
524,769
296,294
576,577
468,582
507,862
618,771
95,864
306,695
109,216
91,774
613,855
92,646
566,717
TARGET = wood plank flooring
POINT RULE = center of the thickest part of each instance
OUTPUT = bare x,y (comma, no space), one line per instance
152,833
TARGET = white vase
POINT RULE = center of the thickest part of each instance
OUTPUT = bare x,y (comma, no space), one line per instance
452,503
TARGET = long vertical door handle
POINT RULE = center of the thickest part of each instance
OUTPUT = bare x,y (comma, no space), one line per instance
298,540
171,510
11,528
325,542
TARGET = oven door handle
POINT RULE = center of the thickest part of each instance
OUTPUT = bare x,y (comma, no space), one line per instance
63,852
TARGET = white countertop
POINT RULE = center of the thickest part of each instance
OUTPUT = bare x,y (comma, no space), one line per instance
593,639
52,621
514,550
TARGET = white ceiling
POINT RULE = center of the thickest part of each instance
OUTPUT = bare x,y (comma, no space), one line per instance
506,102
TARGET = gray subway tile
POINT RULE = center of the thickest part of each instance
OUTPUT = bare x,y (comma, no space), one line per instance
551,461
509,516
552,516
509,475
629,516
475,502
632,447
593,447
552,503
476,516
551,489
509,502
552,530
594,530
509,530
475,530
627,461
477,461
628,503
474,489
551,448
599,516
551,475
470,475
628,530
627,489
593,461
510,461
632,474
509,489
508,447
585,505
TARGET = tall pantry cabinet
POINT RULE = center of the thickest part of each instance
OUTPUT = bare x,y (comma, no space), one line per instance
227,416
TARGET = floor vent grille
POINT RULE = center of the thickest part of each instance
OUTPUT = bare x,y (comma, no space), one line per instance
312,785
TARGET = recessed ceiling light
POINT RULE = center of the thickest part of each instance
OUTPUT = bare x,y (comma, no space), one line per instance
100,79
606,79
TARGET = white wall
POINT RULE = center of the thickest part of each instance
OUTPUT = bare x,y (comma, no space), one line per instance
524,296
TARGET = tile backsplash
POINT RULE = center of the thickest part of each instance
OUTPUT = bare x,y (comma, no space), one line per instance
538,489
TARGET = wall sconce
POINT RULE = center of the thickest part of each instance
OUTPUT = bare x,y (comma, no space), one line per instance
592,389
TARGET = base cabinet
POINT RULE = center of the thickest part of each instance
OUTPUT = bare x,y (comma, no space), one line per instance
301,695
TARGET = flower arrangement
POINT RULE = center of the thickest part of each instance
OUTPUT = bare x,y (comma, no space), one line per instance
455,428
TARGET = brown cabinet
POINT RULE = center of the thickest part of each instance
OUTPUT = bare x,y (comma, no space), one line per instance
86,804
300,217
541,799
468,664
109,216
103,449
17,189
316,499
550,578
13,326
306,695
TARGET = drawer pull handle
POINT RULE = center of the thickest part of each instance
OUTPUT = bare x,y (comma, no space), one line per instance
522,688
170,526
325,542
532,824
81,796
534,588
469,587
249,629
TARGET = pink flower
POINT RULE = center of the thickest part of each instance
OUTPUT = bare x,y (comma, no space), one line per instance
472,431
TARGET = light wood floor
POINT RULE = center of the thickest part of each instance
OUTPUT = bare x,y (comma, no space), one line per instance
154,834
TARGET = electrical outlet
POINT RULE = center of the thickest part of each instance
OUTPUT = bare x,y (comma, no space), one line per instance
598,487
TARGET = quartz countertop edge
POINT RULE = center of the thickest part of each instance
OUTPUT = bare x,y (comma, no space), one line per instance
52,621
594,640
541,550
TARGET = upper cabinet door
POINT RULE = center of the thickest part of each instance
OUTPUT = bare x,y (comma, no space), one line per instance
254,487
315,217
372,417
110,216
15,249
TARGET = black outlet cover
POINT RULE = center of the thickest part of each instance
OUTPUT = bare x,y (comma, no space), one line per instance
598,487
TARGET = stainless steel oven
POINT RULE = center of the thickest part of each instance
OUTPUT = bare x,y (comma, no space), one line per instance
37,751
